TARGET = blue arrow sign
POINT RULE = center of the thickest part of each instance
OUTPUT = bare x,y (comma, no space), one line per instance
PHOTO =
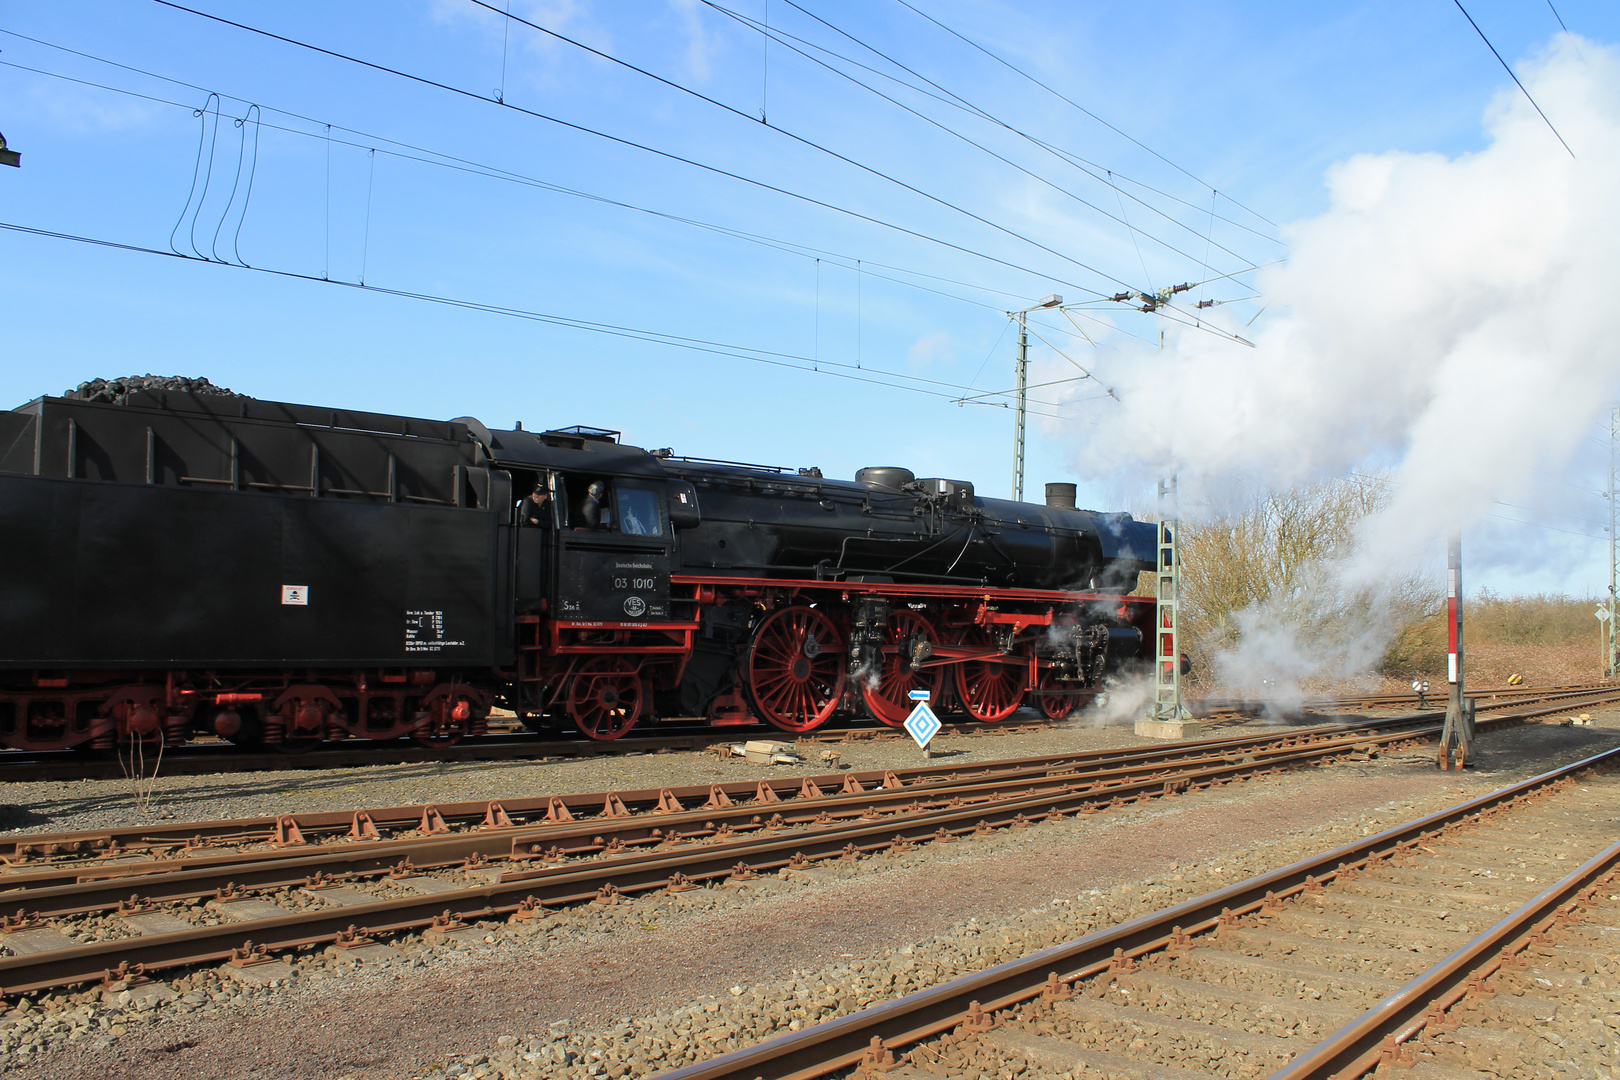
922,725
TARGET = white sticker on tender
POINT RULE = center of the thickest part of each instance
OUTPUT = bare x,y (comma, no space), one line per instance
424,632
295,594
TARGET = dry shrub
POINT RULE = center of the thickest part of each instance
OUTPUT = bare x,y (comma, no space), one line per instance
1519,634
1274,557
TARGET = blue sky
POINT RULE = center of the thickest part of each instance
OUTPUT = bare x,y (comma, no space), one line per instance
1255,100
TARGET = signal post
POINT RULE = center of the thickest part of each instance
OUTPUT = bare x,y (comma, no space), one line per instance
1457,737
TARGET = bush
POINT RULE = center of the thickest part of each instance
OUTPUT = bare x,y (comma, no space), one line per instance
1545,620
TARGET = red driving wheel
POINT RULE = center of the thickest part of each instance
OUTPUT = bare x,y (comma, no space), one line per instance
1056,704
604,697
992,688
888,690
795,668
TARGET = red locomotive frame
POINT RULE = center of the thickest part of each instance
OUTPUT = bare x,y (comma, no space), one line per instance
983,653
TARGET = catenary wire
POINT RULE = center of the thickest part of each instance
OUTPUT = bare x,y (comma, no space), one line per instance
632,144
1075,104
475,168
1509,70
957,101
443,160
494,173
775,34
947,97
800,139
762,356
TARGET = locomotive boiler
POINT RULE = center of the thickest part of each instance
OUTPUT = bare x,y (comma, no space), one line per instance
178,562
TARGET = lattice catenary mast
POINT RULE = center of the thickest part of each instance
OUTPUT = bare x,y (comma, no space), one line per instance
1167,618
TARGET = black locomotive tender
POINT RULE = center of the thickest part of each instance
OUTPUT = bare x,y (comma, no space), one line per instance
177,563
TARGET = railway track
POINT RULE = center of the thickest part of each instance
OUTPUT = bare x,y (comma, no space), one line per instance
515,744
378,822
1223,708
214,758
95,906
1452,944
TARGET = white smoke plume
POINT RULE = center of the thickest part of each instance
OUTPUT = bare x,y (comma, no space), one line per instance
1446,321
1124,700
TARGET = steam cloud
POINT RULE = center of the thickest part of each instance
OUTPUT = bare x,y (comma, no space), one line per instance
1446,320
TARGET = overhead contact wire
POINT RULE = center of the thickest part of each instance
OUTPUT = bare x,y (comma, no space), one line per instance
796,138
1076,105
1038,178
667,155
740,352
442,160
958,102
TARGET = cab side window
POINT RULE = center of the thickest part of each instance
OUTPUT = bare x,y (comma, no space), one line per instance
639,512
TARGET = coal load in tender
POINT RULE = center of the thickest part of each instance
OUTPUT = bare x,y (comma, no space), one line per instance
117,390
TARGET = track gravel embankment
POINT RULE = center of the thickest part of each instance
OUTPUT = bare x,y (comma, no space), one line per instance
644,985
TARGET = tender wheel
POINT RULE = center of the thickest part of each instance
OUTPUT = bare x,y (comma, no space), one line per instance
604,697
990,689
795,668
1055,704
909,637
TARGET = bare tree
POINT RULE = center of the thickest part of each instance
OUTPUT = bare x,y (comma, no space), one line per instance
1262,589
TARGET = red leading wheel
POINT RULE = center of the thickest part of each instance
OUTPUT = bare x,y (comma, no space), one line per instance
795,668
888,695
604,697
991,688
1055,703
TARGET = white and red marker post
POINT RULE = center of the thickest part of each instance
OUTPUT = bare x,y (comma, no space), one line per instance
1457,737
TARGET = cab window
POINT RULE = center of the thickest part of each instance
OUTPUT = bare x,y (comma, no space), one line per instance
638,512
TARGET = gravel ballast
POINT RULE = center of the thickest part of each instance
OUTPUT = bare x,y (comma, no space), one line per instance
591,992
67,805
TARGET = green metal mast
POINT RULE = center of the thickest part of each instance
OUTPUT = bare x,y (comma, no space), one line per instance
1167,629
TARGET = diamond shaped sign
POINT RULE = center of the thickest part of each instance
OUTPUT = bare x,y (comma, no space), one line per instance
922,725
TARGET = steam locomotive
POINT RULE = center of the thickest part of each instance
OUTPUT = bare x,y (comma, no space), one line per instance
185,561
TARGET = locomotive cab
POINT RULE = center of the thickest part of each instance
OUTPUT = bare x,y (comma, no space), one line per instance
595,538
612,549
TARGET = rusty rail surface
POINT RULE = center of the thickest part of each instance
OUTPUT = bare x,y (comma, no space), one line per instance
22,847
82,889
1356,1049
713,856
717,842
204,759
1402,699
875,1033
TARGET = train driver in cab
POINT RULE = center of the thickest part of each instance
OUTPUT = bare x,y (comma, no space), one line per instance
594,511
532,509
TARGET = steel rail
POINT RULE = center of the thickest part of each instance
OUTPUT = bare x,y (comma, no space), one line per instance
209,759
845,1041
597,878
470,812
73,892
605,878
1403,699
408,816
590,807
1355,1049
807,805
